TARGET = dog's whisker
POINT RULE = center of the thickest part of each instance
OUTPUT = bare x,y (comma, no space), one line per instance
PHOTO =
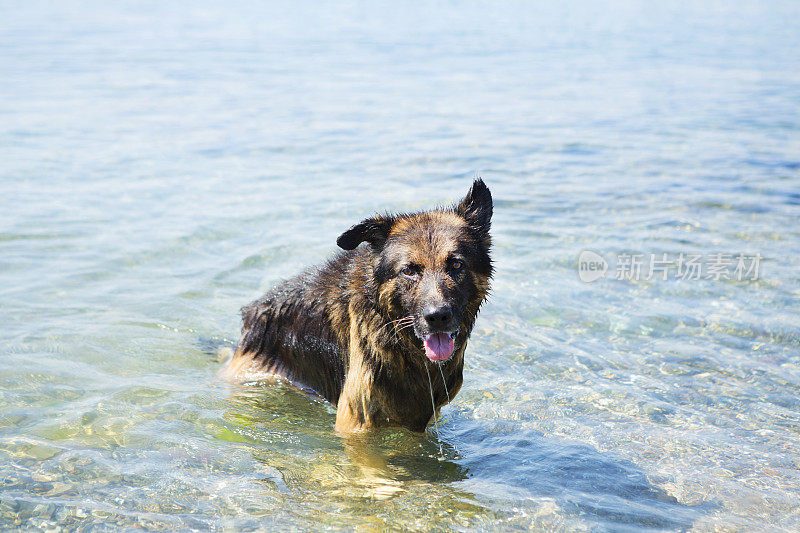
398,321
383,328
433,404
401,327
386,325
396,327
401,324
394,324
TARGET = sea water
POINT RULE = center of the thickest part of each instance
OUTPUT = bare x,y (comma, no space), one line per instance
163,164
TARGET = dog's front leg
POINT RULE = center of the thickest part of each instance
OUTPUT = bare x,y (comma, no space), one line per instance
353,411
348,417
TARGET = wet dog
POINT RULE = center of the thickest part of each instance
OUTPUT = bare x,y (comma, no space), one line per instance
380,330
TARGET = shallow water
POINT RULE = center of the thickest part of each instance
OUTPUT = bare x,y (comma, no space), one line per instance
161,166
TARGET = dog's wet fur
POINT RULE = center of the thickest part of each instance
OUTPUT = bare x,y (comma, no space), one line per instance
368,329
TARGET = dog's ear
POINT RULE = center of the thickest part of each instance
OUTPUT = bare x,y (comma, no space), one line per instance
476,207
373,230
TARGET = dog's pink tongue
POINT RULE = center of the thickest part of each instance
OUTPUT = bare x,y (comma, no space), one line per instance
439,346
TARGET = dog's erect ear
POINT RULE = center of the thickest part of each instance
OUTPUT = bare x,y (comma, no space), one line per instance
373,230
476,207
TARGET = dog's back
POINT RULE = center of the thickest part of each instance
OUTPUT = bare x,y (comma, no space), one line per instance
288,332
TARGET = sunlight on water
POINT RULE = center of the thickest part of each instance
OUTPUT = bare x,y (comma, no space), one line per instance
162,166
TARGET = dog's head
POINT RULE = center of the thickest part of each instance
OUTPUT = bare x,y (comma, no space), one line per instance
431,269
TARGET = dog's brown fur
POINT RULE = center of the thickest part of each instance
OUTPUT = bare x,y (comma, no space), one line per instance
351,329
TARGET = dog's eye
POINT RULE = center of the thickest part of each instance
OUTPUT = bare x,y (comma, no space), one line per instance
409,271
457,265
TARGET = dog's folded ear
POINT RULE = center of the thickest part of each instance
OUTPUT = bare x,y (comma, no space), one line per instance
373,230
476,207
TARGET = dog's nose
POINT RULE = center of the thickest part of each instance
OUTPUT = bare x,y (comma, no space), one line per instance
438,317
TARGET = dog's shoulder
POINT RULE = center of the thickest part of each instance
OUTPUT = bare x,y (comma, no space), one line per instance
298,329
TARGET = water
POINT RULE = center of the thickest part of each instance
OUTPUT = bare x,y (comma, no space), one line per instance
161,166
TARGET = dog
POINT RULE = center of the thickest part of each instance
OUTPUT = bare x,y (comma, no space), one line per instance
380,329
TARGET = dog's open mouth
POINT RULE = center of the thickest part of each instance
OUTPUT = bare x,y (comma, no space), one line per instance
439,346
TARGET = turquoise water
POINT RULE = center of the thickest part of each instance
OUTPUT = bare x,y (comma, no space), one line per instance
161,166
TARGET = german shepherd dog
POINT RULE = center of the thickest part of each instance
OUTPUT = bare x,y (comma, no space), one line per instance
380,329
